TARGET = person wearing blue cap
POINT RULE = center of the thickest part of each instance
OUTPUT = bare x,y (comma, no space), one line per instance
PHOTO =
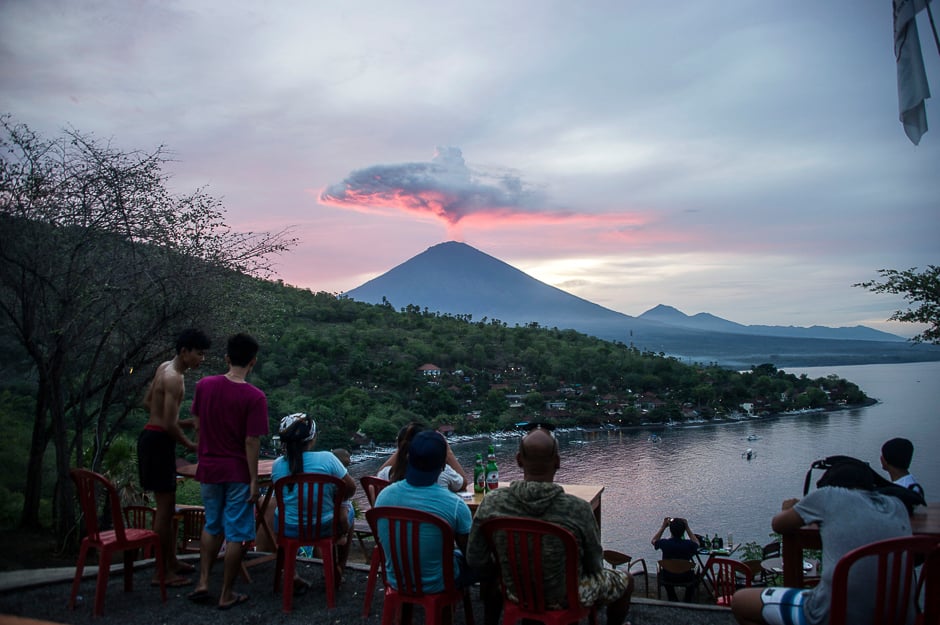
427,455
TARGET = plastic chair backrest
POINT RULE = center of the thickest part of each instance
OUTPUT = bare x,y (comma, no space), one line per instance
312,490
676,566
309,487
930,587
87,484
402,546
372,486
140,517
194,519
771,550
727,575
520,544
894,585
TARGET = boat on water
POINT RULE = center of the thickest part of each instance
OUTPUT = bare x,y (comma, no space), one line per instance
753,437
748,454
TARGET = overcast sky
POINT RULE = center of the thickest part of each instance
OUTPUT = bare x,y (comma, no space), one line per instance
737,157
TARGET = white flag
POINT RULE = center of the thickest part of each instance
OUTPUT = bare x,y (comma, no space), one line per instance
912,77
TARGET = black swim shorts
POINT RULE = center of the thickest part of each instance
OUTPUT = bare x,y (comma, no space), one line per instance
156,461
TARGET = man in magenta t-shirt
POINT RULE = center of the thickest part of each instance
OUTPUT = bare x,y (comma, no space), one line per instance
230,416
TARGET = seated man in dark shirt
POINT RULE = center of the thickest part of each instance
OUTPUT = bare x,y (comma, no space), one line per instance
677,548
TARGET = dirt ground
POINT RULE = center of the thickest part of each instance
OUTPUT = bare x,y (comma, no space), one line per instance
47,599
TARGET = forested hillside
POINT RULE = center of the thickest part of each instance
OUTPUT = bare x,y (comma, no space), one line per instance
357,367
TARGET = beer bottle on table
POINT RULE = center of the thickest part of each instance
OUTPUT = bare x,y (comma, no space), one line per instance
479,475
492,471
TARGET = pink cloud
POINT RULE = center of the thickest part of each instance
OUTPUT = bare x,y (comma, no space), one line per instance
444,188
447,190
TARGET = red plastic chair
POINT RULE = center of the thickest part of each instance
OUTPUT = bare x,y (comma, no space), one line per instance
310,531
372,486
128,540
141,518
402,550
896,587
725,576
519,543
930,588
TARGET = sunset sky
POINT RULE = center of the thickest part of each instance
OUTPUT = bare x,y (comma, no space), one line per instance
742,158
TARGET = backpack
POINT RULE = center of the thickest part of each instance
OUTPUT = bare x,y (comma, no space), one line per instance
910,497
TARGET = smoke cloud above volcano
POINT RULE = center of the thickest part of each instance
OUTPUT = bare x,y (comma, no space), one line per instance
445,188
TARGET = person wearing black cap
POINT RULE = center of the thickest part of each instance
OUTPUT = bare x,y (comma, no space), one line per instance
420,490
850,513
538,497
896,457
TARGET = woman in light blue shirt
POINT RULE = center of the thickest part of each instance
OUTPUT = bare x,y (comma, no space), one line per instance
298,434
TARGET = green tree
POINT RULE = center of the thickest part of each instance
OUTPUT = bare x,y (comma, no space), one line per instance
921,290
379,429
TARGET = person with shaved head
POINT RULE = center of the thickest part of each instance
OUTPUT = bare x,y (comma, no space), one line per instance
538,497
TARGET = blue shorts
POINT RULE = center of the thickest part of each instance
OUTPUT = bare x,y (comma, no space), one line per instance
783,606
228,511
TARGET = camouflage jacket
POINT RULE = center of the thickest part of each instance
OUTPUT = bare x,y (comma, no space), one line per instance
548,502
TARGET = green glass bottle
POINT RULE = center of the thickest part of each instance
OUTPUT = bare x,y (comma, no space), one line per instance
492,471
479,475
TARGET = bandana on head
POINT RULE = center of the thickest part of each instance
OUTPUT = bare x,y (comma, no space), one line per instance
298,427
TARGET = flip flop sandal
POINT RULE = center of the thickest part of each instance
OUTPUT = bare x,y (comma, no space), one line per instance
199,596
238,600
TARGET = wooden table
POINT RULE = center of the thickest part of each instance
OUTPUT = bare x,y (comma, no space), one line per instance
925,520
590,493
774,566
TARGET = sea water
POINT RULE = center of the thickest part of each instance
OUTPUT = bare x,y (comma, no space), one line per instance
700,472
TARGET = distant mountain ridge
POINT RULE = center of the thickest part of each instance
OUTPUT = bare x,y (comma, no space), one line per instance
455,278
706,321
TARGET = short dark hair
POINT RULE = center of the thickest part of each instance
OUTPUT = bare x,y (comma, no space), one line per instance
241,349
191,338
898,453
677,527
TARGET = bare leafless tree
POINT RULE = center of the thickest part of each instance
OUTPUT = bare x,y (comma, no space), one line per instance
100,264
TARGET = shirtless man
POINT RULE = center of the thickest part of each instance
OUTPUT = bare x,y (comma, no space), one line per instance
156,446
